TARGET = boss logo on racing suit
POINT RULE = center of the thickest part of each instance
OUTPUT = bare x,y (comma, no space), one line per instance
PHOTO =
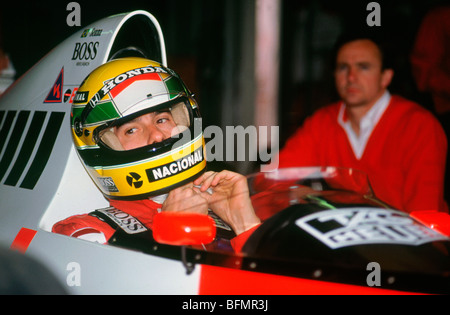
125,221
176,167
356,226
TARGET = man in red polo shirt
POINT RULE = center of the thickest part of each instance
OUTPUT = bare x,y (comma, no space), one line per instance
399,144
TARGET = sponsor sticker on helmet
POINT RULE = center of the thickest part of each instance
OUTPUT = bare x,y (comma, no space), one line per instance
108,184
112,83
358,226
81,97
175,167
134,180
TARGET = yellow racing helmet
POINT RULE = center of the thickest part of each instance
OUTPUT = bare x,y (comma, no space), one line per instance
119,92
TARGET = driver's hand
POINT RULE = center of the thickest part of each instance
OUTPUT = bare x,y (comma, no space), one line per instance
186,198
230,199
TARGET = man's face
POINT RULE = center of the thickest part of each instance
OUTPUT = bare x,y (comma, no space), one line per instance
359,77
146,129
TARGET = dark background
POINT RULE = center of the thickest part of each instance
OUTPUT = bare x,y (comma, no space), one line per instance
206,41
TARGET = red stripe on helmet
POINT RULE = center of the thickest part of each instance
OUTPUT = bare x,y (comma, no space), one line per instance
126,83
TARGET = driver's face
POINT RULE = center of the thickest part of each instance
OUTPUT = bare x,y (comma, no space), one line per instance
146,129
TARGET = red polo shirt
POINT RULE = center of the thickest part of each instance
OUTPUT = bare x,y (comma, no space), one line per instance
404,156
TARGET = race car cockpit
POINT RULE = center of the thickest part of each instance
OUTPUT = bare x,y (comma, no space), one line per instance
322,223
320,227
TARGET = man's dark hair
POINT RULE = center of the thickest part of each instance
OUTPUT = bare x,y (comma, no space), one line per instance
378,38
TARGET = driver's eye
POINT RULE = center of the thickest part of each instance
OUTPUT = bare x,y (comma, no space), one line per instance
131,131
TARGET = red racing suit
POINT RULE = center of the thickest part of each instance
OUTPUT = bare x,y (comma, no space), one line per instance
138,213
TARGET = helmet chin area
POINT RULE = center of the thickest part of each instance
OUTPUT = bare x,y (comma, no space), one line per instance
152,170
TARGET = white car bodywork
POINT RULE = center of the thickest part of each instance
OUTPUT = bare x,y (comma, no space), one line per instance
43,180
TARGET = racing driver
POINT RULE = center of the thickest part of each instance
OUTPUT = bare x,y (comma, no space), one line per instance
133,126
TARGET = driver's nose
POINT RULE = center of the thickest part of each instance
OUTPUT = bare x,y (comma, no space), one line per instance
155,135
